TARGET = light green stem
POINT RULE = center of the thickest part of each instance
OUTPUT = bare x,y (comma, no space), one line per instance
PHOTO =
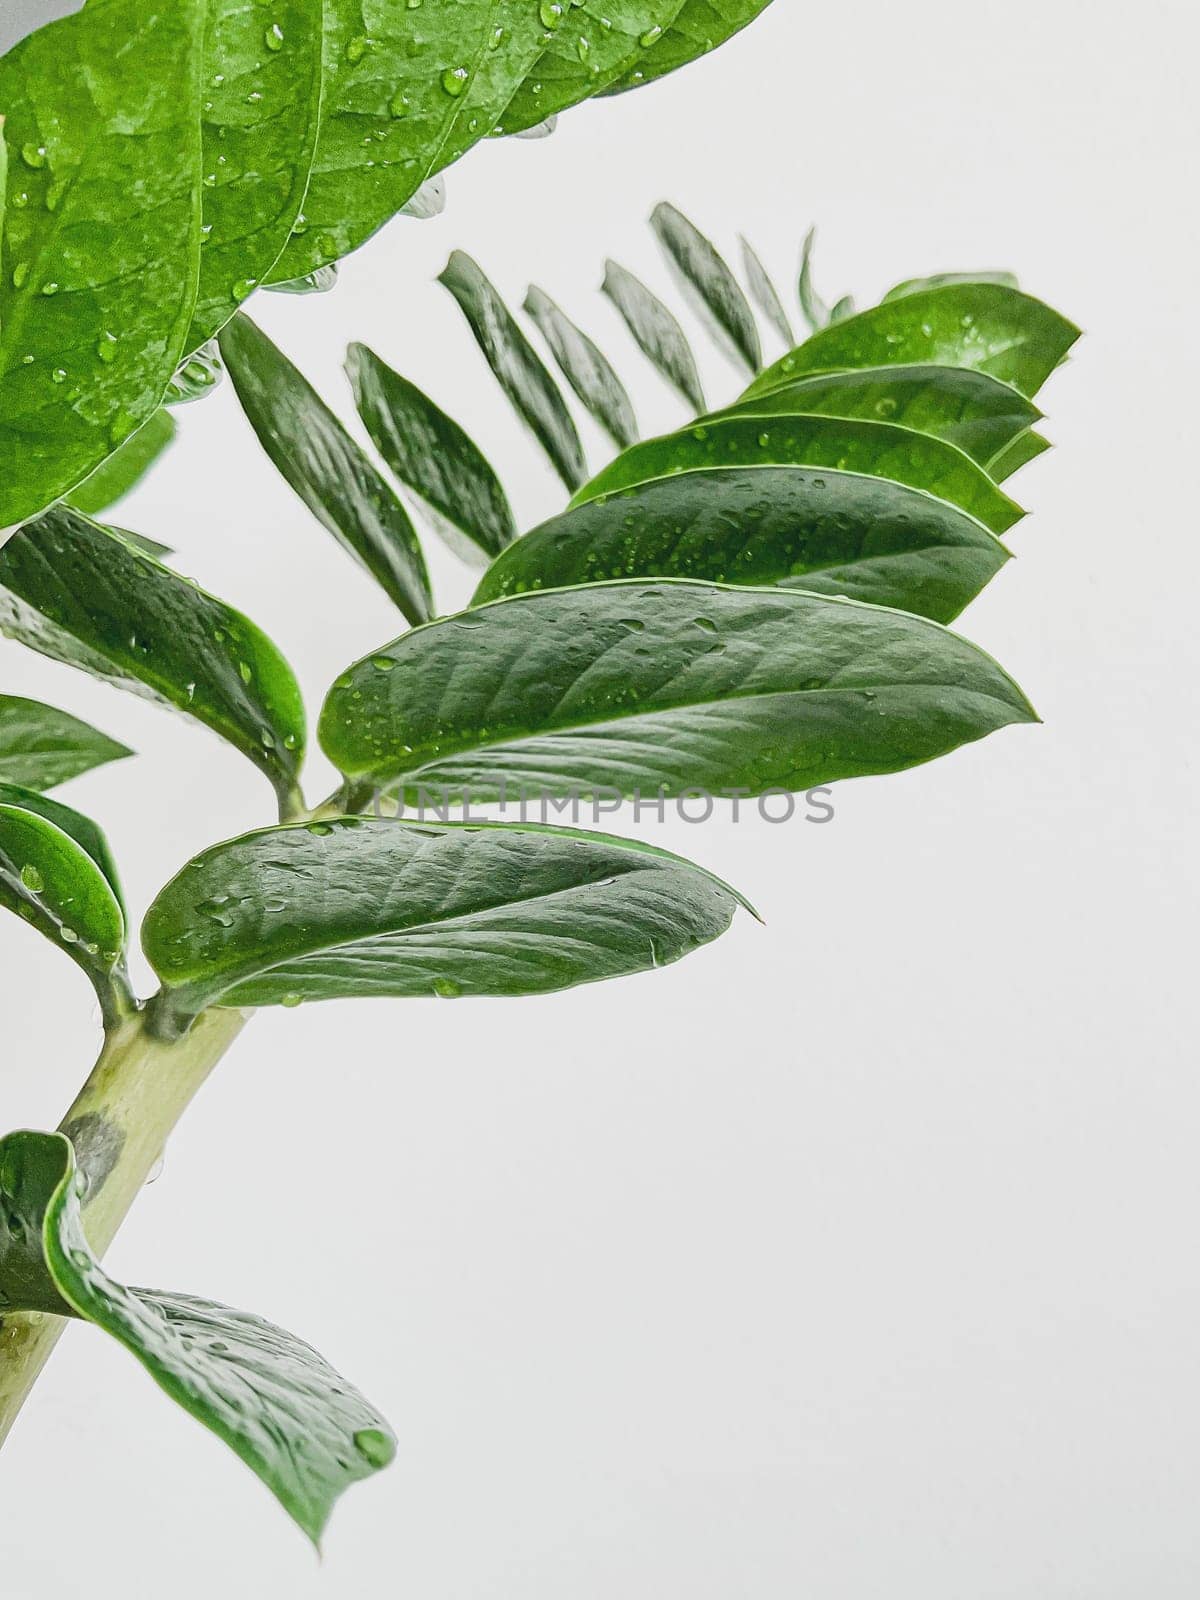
121,1119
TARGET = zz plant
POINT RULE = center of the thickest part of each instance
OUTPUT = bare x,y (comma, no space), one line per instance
755,602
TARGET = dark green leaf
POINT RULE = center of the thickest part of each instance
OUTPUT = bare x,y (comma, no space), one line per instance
942,280
706,280
814,309
639,686
259,127
979,414
832,533
1023,449
656,331
53,883
41,747
325,467
588,44
699,27
982,325
115,477
432,457
81,829
765,294
82,595
585,367
98,284
372,906
532,391
277,1404
848,444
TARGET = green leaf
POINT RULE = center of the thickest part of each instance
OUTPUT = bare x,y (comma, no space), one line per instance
814,309
699,27
82,595
433,458
114,478
52,882
259,127
585,367
98,283
272,1399
1023,449
708,283
517,40
41,747
841,309
588,45
986,326
656,332
325,467
942,280
765,294
86,834
847,444
832,533
520,373
372,906
640,686
979,414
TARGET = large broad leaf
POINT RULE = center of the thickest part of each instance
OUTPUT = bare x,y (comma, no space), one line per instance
126,467
706,280
41,746
848,444
585,367
102,236
700,26
432,457
371,906
85,596
988,326
656,332
85,833
325,467
275,1402
765,294
53,883
259,115
832,532
588,45
519,371
640,686
977,413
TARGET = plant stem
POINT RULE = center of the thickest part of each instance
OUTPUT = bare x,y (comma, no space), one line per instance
119,1123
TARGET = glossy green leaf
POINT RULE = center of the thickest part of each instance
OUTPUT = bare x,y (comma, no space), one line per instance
848,444
588,45
80,594
700,26
709,285
114,478
586,368
1023,449
273,1400
987,326
521,374
41,746
259,117
656,332
764,293
433,458
85,833
52,882
373,906
98,284
814,309
832,533
517,40
979,414
942,280
668,685
322,463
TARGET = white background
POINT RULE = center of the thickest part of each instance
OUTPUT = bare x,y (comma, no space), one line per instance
856,1256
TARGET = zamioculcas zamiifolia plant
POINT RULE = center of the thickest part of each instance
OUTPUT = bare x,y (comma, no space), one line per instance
753,603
